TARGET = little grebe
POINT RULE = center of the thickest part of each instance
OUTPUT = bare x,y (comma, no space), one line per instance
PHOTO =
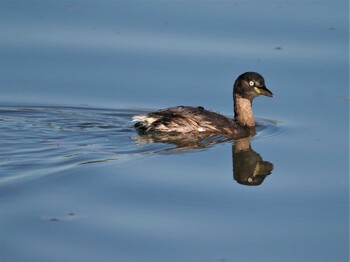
186,119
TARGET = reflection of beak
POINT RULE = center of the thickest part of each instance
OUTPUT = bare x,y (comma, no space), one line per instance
263,91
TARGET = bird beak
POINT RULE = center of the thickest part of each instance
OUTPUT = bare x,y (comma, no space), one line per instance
262,90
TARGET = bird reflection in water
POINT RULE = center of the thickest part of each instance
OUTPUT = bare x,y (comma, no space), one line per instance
249,168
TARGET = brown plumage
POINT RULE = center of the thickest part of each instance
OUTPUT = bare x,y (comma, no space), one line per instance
186,119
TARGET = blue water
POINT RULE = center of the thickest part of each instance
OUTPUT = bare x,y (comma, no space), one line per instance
78,183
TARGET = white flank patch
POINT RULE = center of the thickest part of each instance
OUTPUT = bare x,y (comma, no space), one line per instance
144,118
139,118
201,129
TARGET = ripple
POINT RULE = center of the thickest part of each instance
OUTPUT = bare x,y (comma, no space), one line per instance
268,129
38,141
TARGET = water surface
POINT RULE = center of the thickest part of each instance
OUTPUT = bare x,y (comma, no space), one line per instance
76,181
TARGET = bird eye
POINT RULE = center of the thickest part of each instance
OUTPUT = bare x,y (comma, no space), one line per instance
251,83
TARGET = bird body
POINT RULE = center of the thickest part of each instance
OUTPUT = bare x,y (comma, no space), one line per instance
184,119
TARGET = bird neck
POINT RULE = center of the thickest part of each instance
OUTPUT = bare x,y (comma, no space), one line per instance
243,111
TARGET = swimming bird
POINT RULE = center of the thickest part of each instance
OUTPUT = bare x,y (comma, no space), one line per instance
187,120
